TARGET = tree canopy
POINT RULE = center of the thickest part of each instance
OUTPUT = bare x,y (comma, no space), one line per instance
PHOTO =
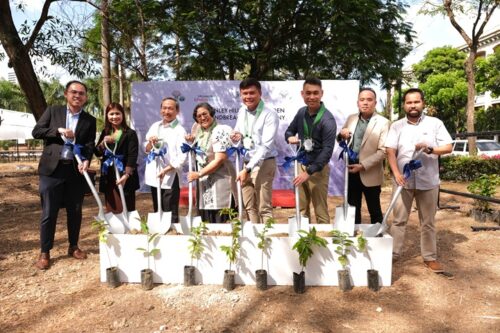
224,39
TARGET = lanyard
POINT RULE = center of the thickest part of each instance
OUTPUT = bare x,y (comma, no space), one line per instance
200,135
117,139
317,119
260,107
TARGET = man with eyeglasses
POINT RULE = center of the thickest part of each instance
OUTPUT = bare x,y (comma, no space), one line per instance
66,131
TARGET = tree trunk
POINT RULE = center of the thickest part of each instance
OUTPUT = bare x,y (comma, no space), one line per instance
20,60
388,103
142,54
471,98
106,63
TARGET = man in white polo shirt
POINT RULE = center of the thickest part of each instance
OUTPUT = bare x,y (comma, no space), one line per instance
413,133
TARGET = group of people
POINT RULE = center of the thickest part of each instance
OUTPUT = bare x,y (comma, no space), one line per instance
367,136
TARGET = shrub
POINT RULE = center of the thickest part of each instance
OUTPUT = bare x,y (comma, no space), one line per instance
485,185
466,168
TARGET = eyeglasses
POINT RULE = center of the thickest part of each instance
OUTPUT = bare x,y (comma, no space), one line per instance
76,92
202,115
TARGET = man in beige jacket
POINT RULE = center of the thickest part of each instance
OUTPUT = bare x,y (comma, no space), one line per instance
366,131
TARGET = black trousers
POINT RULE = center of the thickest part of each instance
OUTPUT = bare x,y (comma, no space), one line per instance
372,197
214,215
169,199
64,188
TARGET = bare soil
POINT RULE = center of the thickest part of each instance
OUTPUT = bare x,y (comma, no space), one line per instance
69,297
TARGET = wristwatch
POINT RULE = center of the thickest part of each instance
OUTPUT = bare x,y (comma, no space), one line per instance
429,150
248,170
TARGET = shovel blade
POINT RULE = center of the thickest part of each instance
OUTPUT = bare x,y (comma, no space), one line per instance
159,222
293,225
372,230
116,223
345,223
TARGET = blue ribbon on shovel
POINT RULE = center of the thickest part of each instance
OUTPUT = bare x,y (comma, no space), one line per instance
411,166
77,150
353,156
110,159
300,157
185,148
153,154
242,151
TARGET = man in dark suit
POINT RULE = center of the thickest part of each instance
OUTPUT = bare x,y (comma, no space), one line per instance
63,128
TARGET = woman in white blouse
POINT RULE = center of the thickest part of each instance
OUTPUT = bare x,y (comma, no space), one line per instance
215,173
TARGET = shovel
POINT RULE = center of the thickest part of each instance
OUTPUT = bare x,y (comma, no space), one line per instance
159,222
239,150
345,215
296,222
188,221
377,229
131,220
114,226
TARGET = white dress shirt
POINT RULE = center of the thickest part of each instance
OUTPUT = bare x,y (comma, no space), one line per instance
173,138
264,130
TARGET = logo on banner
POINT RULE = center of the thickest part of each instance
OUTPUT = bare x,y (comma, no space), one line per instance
178,95
204,98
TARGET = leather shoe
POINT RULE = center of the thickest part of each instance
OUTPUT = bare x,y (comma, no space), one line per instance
76,253
434,266
43,261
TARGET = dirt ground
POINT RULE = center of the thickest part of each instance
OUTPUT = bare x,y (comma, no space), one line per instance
69,297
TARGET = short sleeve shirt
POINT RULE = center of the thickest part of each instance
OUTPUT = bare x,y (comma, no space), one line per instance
403,136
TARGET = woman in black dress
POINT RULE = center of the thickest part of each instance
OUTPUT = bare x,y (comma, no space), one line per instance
119,143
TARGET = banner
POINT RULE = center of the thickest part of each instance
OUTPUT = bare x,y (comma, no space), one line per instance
283,96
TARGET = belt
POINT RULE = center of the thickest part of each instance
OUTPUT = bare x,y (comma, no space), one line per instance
269,158
66,162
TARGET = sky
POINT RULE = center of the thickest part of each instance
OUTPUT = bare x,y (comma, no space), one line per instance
431,32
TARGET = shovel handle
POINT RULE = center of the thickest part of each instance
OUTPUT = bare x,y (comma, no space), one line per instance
238,188
158,189
190,192
92,189
122,194
297,195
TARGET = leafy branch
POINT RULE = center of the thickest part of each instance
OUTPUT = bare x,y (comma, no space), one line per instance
264,241
305,243
102,232
232,250
148,252
196,247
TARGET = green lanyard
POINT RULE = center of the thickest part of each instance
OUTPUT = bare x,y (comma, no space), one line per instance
317,119
260,107
118,136
207,133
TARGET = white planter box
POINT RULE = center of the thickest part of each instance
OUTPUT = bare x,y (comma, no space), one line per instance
321,270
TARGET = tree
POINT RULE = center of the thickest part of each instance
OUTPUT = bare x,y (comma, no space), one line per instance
481,11
105,55
441,76
48,38
439,60
137,33
288,39
11,97
446,96
488,74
